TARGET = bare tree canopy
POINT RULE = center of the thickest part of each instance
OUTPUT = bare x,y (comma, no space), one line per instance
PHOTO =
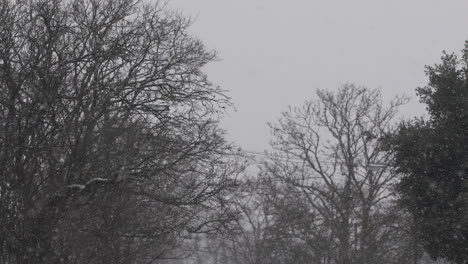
328,184
109,145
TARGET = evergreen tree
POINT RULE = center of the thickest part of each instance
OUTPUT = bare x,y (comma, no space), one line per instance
432,156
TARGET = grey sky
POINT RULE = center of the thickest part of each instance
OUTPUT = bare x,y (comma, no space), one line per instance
274,53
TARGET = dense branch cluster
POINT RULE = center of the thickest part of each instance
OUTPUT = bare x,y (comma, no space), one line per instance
333,203
325,193
110,152
109,145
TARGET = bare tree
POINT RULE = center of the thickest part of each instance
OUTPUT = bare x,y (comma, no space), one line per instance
330,186
109,145
246,241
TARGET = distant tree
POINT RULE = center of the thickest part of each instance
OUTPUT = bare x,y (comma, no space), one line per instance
248,241
331,197
109,146
244,241
432,156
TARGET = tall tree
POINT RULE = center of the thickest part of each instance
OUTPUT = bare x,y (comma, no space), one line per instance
432,156
109,145
331,193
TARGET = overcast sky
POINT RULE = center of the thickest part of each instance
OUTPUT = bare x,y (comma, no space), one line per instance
275,53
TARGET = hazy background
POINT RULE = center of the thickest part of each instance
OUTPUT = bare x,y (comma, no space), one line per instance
275,53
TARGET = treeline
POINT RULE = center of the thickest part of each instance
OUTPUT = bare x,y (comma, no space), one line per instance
110,152
347,182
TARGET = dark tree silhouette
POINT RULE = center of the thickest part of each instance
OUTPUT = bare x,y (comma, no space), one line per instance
432,156
109,145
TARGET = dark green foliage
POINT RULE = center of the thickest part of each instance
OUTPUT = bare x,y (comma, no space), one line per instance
432,156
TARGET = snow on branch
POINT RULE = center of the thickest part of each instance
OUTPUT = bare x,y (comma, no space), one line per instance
88,183
93,180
